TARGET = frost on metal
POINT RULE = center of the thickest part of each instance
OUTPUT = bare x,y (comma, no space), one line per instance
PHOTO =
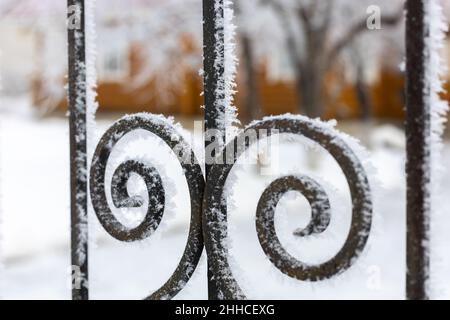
156,202
91,100
225,67
85,107
215,207
78,144
435,70
80,155
91,74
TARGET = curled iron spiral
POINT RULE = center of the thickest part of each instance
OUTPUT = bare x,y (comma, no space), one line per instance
208,204
215,211
156,194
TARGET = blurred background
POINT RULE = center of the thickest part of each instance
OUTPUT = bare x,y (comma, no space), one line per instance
314,60
332,59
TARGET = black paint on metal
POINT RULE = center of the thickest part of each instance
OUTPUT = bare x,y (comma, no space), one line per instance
208,207
310,189
215,212
78,149
156,194
418,134
213,38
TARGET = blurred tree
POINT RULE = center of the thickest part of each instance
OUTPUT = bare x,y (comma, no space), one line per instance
251,108
317,32
314,33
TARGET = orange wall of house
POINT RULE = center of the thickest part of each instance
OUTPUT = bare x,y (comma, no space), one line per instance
123,97
386,97
119,97
276,97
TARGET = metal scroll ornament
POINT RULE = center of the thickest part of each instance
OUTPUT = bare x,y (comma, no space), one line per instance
215,212
156,194
208,224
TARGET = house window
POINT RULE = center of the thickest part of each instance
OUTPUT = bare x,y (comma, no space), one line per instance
280,67
114,64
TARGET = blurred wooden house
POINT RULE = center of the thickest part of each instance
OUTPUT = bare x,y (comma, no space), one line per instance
121,62
118,67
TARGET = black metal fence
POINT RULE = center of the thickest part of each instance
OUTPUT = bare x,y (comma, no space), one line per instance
208,224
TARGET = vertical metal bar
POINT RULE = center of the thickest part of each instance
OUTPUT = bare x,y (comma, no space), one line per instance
78,148
213,34
418,133
213,38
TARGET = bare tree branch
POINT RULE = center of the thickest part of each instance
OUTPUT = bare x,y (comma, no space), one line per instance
307,13
293,52
8,8
304,15
327,17
356,30
316,33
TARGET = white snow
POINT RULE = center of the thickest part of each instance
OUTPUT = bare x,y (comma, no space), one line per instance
91,74
435,72
225,60
34,200
35,203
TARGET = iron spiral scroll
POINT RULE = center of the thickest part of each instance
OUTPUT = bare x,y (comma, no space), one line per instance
208,224
215,211
156,194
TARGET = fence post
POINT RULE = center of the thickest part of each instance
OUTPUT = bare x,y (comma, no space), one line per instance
78,147
418,133
213,38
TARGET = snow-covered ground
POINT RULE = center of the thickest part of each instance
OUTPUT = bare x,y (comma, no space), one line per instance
34,164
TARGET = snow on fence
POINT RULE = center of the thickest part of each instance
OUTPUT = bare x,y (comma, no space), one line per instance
208,224
425,119
78,143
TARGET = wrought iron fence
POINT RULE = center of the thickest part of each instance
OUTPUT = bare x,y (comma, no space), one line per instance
208,223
